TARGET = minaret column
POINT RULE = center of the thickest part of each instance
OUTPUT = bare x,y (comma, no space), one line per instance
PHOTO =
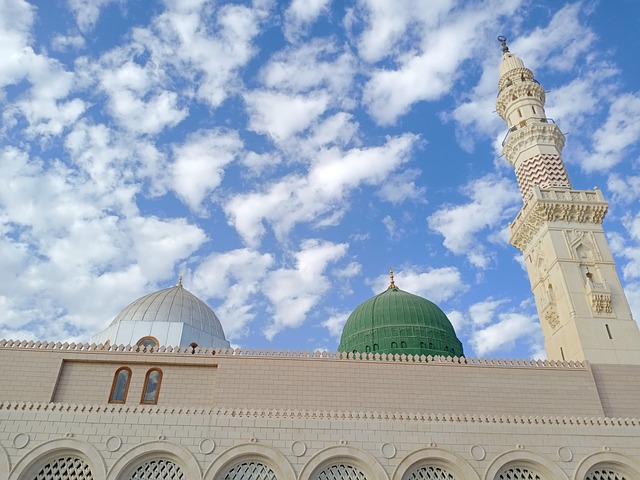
533,143
584,313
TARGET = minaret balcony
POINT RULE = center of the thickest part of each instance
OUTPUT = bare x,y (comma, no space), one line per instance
599,296
523,123
555,205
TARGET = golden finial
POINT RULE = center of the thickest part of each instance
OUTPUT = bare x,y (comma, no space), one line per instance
179,281
503,40
392,284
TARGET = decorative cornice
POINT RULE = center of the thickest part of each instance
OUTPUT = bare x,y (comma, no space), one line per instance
318,414
555,205
289,354
535,131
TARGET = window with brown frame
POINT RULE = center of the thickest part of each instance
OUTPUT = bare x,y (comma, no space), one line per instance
148,342
152,382
120,386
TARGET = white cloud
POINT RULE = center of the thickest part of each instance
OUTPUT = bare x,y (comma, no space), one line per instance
335,323
391,226
280,115
317,64
350,271
482,313
87,12
620,131
624,189
43,104
492,200
302,13
83,252
63,43
436,284
293,292
431,72
199,163
318,198
402,187
503,334
235,277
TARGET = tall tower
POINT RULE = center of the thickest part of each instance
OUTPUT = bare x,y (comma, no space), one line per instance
582,308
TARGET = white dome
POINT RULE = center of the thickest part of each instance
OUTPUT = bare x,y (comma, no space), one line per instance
174,316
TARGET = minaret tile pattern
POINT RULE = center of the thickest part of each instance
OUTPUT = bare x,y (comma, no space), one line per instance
582,307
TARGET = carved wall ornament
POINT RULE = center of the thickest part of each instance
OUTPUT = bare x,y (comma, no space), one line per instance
551,316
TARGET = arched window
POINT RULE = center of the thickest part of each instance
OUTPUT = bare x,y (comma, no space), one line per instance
151,386
65,468
120,385
158,470
251,470
517,473
148,342
341,472
430,472
597,473
403,344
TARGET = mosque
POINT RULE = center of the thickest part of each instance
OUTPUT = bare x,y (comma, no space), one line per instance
160,395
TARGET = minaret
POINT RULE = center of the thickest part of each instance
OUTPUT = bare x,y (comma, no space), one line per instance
582,308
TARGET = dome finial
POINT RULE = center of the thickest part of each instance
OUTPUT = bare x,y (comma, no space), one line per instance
503,40
392,284
179,284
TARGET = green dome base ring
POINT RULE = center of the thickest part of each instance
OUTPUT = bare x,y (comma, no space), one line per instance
399,322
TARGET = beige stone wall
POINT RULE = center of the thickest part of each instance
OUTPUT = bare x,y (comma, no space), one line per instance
206,443
28,375
182,383
619,388
303,383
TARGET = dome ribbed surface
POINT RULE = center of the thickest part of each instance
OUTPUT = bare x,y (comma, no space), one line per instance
399,322
175,304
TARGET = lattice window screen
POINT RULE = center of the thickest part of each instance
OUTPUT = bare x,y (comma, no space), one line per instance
517,473
341,472
250,471
604,474
158,470
66,468
431,473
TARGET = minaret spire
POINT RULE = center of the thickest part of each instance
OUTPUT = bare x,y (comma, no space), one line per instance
581,304
503,40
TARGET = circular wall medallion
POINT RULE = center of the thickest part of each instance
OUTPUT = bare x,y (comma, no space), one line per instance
298,448
206,446
433,444
114,444
253,440
565,454
68,435
606,448
161,437
343,442
21,440
478,453
520,446
388,450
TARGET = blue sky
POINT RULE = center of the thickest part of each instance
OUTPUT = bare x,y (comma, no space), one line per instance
281,155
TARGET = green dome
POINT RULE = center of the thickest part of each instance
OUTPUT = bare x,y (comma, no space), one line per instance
399,322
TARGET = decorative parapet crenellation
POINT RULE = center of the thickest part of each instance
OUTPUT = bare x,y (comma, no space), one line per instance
308,355
555,205
317,414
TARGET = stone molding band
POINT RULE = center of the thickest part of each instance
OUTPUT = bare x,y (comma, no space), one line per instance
319,415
